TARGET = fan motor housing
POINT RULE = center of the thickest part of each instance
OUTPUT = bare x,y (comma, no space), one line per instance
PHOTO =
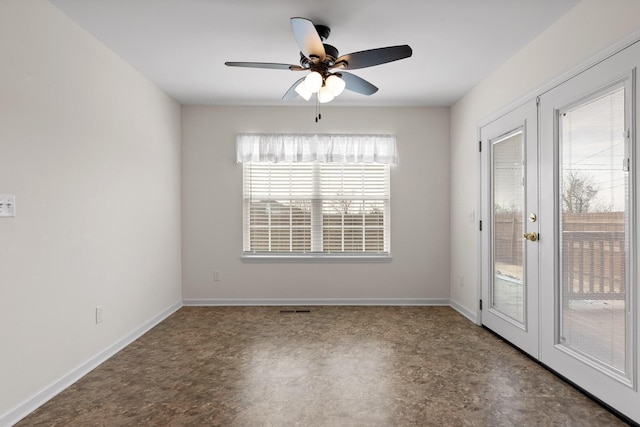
330,56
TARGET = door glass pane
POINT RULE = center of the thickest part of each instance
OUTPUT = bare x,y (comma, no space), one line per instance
594,189
507,293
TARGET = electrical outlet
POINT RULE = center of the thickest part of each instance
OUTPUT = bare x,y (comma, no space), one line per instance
461,281
98,314
216,275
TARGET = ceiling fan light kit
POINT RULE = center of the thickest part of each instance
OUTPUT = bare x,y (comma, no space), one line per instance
313,82
325,95
303,91
335,84
321,59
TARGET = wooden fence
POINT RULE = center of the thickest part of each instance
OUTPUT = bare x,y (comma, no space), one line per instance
593,252
593,264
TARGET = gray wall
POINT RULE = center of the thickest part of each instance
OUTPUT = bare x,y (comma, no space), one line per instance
212,208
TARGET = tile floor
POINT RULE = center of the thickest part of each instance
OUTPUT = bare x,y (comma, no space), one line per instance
333,366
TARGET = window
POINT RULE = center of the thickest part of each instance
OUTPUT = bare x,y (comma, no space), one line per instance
315,208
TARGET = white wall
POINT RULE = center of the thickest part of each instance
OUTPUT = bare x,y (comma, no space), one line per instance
212,208
586,30
91,150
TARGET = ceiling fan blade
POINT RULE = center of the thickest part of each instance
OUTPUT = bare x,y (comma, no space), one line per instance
307,37
291,93
358,84
268,65
369,58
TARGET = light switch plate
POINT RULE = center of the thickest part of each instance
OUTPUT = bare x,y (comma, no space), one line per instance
471,216
99,315
7,205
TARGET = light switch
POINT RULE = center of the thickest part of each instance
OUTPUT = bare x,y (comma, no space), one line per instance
7,205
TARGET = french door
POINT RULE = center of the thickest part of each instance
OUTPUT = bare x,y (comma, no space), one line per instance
509,156
588,328
559,208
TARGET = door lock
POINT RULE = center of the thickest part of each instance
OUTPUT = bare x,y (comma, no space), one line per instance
531,236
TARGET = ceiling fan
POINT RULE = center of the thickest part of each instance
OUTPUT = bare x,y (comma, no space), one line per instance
326,76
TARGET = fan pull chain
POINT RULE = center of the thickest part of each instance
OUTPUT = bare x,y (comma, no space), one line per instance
318,115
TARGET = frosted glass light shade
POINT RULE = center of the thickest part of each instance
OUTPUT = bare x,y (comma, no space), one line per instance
335,84
302,90
313,81
325,95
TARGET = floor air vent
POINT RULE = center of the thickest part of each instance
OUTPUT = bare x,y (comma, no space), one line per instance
295,311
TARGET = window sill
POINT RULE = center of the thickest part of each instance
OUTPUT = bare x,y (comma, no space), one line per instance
315,258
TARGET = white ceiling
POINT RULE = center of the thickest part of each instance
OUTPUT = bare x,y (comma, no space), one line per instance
181,45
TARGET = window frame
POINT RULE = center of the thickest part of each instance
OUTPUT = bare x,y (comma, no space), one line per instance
317,256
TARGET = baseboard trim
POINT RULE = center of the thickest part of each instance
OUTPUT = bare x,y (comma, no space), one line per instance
314,301
49,392
463,310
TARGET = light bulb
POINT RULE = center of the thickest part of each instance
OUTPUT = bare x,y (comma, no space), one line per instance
335,84
302,90
313,81
325,95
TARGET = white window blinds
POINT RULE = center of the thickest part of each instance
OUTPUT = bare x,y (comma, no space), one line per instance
316,207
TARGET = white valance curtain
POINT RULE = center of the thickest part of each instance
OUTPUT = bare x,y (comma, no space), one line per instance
323,148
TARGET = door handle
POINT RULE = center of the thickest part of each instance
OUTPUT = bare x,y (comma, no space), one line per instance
531,236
